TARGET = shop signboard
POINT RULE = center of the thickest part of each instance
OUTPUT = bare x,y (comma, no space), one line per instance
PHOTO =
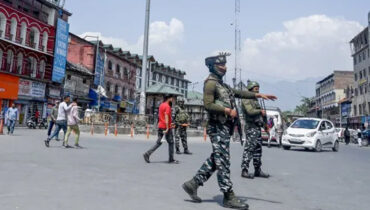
31,88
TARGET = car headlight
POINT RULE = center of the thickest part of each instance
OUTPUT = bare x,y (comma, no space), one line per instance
311,134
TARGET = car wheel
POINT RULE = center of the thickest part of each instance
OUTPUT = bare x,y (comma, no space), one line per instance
365,142
286,147
318,146
336,146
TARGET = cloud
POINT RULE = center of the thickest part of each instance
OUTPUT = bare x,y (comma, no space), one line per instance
308,46
164,39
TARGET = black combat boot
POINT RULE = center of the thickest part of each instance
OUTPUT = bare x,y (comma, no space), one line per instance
232,202
259,173
146,157
247,175
191,188
178,151
187,152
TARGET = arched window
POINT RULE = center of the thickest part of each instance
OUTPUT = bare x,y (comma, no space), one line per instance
13,29
1,58
42,69
118,71
9,61
45,37
34,38
110,65
108,87
2,25
116,89
23,33
125,71
19,63
31,66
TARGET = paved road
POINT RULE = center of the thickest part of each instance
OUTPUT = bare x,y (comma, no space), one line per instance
111,174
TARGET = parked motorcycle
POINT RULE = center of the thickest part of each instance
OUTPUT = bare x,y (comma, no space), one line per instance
31,123
43,124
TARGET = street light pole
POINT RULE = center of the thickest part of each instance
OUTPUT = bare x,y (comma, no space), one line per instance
145,58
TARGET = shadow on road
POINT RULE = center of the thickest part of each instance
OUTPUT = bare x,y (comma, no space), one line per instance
219,199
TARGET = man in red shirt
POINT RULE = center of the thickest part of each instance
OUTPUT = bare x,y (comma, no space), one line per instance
164,128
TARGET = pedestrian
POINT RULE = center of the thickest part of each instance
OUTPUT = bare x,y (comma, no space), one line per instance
272,126
359,137
37,115
61,122
347,136
217,101
53,119
253,116
73,120
181,123
12,115
164,129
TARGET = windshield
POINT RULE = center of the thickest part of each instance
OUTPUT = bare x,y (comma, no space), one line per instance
306,124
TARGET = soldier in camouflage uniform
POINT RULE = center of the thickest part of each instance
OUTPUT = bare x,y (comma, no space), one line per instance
220,126
253,115
181,122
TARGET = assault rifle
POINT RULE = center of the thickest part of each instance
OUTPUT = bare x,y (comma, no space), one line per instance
236,120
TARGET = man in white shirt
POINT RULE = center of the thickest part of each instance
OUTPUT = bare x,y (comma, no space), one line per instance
61,122
72,121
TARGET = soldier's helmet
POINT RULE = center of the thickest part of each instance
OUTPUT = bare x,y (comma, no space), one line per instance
216,60
252,84
180,100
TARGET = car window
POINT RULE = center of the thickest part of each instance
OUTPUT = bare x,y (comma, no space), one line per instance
328,125
306,124
322,126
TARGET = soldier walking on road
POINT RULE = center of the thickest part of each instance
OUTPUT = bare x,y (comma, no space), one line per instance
253,115
217,102
164,129
181,123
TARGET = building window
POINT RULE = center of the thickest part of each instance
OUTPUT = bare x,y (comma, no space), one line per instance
69,77
355,110
125,71
124,92
177,82
355,76
118,71
42,69
13,29
84,81
108,87
23,33
360,109
34,37
160,78
172,81
167,78
2,25
9,61
45,38
110,65
364,73
360,74
116,89
19,63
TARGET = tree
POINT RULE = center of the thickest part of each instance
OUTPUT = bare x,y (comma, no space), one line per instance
303,107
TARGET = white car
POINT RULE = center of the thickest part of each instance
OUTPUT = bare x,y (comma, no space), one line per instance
311,133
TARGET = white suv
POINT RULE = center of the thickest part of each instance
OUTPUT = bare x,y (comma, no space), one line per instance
311,133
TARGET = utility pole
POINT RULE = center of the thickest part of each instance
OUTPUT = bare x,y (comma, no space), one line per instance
145,58
237,72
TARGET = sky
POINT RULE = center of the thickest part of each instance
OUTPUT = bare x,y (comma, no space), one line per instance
287,45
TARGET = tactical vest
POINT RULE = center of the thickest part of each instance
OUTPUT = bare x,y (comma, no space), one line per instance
256,120
221,97
182,116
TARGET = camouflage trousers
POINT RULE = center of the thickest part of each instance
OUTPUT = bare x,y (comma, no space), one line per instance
252,148
180,133
219,159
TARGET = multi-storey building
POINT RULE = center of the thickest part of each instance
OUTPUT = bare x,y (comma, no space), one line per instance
27,39
361,65
329,91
